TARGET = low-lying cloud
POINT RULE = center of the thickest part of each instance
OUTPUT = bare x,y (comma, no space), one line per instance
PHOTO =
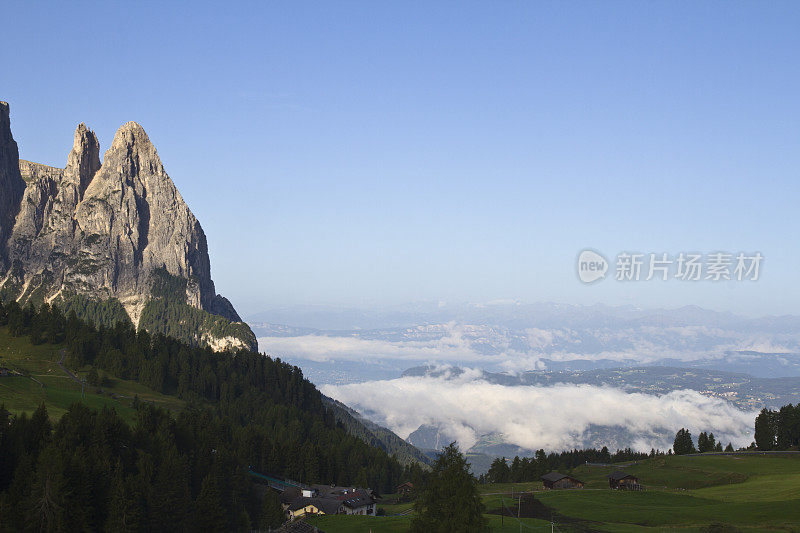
450,346
511,351
531,417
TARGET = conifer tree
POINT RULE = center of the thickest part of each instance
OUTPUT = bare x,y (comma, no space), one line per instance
271,511
765,430
211,516
449,501
683,443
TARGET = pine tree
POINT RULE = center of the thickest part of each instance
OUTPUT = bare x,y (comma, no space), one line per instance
18,495
170,499
765,430
605,456
449,501
38,431
271,511
498,471
125,509
786,423
702,442
45,503
683,442
211,516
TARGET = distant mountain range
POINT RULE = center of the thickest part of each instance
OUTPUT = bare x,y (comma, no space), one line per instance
514,337
513,315
111,241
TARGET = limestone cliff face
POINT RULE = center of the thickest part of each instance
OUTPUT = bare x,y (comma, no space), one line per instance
11,184
104,230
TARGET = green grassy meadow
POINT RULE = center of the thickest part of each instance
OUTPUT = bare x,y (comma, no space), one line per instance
747,493
41,379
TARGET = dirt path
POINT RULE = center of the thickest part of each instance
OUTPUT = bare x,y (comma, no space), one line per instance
70,374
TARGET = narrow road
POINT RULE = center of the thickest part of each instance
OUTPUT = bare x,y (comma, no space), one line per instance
70,374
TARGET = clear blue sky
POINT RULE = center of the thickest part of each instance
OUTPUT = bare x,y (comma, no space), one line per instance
382,152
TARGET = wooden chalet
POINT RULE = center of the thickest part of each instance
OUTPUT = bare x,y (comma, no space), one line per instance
557,480
623,481
405,488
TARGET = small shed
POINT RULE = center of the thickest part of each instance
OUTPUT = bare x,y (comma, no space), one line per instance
405,488
623,481
557,480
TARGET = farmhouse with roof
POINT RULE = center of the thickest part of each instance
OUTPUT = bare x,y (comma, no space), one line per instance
330,499
623,481
557,480
303,506
405,488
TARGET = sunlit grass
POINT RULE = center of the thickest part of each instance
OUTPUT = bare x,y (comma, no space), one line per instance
41,379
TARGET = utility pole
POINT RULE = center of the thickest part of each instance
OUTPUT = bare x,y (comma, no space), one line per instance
519,509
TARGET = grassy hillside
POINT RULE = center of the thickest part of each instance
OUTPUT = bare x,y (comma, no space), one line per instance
703,493
41,379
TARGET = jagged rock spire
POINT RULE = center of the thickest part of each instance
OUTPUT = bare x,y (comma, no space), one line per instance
83,161
11,184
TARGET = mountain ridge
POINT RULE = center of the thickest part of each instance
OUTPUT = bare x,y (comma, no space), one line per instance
109,231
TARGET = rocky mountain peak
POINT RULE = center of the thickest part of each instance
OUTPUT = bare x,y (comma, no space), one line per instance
83,161
131,141
5,123
113,232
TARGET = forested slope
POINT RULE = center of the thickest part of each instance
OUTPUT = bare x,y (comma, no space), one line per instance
376,435
92,471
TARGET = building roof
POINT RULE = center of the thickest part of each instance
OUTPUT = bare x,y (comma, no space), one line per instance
358,501
290,494
618,475
326,505
333,490
553,476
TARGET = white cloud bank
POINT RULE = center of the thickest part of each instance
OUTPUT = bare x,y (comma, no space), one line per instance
453,343
553,418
